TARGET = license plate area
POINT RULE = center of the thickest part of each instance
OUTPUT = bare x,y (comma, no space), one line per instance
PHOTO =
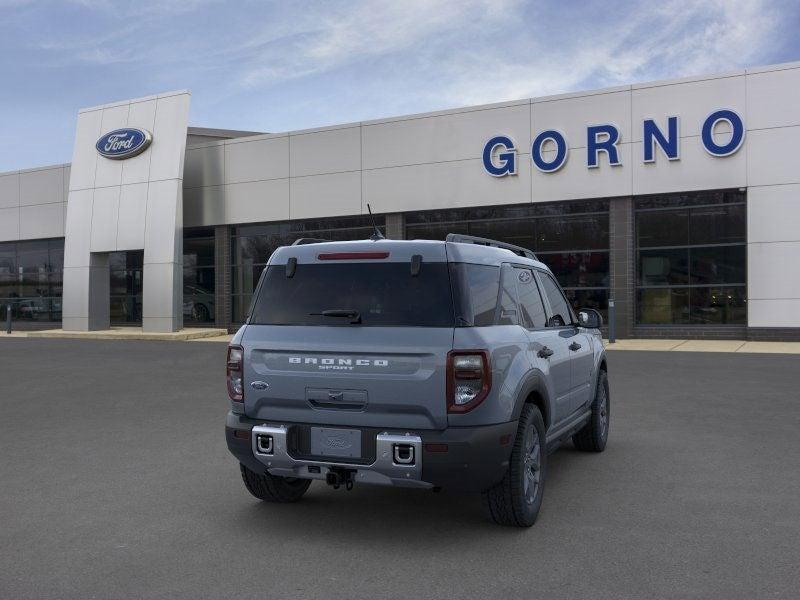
339,443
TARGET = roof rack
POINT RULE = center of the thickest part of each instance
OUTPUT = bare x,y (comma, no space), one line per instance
304,241
472,239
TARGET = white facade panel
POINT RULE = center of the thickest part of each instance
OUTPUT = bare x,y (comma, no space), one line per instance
692,101
773,313
696,170
85,157
43,186
327,151
105,217
257,201
79,213
257,160
169,137
773,213
443,138
141,115
9,224
109,172
132,212
575,180
773,156
162,234
9,190
329,195
572,115
442,185
41,221
772,270
773,99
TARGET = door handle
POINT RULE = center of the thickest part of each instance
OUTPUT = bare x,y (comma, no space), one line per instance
574,346
545,352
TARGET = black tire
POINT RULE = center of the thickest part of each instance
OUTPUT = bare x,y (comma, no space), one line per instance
273,489
594,435
516,500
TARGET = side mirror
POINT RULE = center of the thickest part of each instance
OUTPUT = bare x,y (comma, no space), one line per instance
590,318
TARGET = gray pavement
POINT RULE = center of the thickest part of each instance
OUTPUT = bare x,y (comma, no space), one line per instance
115,483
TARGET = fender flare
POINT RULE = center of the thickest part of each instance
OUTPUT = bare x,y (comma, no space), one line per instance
534,381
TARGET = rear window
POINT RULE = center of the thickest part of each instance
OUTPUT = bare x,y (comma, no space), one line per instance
383,294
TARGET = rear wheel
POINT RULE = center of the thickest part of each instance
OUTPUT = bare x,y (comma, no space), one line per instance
516,500
273,489
594,435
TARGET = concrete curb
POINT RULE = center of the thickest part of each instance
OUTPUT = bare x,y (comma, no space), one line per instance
124,333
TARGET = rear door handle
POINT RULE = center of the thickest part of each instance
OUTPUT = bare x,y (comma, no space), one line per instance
545,352
574,346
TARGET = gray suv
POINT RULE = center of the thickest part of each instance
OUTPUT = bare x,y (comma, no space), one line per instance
426,364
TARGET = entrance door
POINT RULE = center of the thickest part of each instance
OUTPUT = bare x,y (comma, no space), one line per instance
126,287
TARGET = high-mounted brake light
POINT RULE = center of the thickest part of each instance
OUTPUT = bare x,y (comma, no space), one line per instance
469,379
234,373
352,255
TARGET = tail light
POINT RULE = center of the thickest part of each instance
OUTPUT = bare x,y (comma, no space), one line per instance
469,379
234,373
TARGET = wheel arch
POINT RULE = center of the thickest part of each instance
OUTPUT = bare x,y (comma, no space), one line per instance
534,391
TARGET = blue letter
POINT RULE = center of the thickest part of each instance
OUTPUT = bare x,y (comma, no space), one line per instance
561,151
508,159
652,135
737,138
607,145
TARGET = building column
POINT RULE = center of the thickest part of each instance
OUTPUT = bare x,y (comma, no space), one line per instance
621,263
222,276
395,226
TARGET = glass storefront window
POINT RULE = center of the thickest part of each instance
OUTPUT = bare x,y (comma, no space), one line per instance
572,238
199,277
691,259
30,279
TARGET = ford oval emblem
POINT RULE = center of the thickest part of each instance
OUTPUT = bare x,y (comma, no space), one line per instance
123,143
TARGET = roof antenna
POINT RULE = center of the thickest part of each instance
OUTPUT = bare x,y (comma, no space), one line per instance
377,235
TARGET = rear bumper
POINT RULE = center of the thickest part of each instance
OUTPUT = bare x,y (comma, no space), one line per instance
458,458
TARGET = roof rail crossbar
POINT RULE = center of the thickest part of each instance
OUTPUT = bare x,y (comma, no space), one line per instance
472,239
304,241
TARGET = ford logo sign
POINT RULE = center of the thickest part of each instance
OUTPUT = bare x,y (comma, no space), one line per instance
123,143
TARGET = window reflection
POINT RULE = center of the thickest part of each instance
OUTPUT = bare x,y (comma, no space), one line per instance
691,258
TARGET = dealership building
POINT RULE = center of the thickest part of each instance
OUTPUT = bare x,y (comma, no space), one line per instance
677,200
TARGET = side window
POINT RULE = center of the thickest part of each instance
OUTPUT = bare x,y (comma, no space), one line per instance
507,300
530,301
561,313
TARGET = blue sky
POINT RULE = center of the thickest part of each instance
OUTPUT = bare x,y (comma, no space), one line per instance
277,66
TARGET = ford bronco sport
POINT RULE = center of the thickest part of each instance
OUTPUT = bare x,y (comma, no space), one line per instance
427,364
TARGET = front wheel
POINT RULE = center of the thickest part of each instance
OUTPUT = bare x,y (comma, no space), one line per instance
594,435
274,489
516,500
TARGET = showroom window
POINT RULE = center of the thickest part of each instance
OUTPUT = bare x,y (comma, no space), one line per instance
198,276
691,259
252,246
125,269
31,275
569,237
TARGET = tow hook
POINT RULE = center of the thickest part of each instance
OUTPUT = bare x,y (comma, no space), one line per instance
338,476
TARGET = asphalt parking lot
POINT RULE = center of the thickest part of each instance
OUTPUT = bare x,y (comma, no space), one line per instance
115,482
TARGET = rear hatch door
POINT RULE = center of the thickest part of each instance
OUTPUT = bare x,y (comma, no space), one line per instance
348,335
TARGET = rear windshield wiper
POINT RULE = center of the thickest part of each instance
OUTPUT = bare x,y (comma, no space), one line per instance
346,313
